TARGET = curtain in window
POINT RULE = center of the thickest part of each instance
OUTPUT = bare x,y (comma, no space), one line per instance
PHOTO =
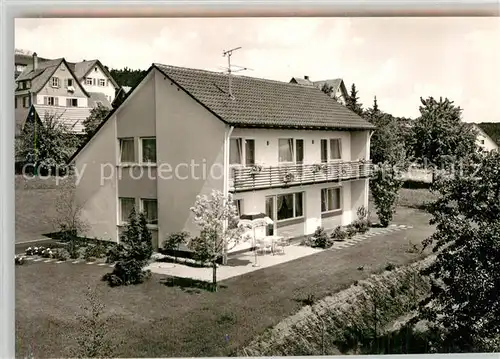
286,150
149,150
285,206
150,211
324,205
298,205
235,151
250,152
127,150
336,198
335,149
127,204
324,151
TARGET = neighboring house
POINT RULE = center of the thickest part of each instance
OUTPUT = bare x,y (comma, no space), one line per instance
53,85
22,59
120,96
95,77
339,91
483,140
282,149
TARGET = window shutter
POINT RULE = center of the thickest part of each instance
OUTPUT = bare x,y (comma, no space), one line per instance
65,82
56,101
68,102
45,100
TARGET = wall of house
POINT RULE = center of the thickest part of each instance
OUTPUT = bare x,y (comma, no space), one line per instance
266,143
359,144
108,89
486,143
136,119
95,191
62,92
190,137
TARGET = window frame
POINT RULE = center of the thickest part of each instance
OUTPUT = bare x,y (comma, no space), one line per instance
329,149
294,150
69,82
152,225
239,206
141,151
335,211
69,102
121,222
243,146
294,217
88,81
120,141
54,102
55,82
102,82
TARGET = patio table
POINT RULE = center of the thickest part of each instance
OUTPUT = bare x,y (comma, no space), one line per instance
273,240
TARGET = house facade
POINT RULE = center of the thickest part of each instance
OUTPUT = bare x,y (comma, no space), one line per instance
95,78
285,150
337,87
53,87
484,141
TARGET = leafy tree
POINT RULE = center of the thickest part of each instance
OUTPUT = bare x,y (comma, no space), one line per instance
439,134
132,253
464,303
352,101
94,340
47,143
128,77
212,214
174,240
384,186
388,153
68,222
97,115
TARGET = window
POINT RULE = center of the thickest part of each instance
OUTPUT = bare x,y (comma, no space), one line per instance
126,206
290,205
88,81
239,154
285,150
249,152
330,150
239,206
71,102
51,101
127,154
15,102
148,148
235,151
26,101
150,209
330,199
55,82
69,82
28,84
102,82
482,142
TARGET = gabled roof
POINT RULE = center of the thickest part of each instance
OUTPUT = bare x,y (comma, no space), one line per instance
258,103
301,81
334,83
264,103
43,73
71,117
98,97
83,68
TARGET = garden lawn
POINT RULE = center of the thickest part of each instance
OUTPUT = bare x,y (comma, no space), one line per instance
415,198
154,319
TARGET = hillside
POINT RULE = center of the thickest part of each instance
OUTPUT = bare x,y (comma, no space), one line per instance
492,129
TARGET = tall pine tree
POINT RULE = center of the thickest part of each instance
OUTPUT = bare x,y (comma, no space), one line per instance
352,101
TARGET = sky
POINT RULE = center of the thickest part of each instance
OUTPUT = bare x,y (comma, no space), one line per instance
398,60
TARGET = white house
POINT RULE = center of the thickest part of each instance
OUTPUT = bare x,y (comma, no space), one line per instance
289,151
483,140
337,86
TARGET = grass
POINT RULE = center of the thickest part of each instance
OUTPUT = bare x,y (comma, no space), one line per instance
415,198
165,317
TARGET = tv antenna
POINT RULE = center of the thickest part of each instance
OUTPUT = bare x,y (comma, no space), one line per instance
229,53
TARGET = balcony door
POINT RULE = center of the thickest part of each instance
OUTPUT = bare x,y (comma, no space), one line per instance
299,156
271,213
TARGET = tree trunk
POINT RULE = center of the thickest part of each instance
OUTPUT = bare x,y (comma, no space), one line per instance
214,276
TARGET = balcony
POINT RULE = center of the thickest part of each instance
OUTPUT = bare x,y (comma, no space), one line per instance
261,177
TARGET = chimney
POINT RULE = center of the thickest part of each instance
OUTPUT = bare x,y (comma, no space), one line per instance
306,78
35,61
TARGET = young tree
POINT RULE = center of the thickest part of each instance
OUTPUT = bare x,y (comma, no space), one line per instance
47,142
212,215
464,303
439,133
97,115
94,341
384,186
68,222
352,101
132,253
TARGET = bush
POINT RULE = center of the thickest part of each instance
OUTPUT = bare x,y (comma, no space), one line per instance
321,239
361,225
73,249
97,250
61,254
338,234
174,240
350,230
133,253
19,260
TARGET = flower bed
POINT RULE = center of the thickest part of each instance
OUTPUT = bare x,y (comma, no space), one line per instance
73,250
157,257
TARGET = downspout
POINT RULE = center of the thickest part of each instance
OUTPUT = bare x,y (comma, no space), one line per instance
225,185
368,154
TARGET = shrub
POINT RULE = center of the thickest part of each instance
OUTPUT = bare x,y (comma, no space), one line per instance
361,225
307,241
385,185
19,260
61,254
133,254
174,240
389,267
73,249
350,230
338,234
97,250
47,253
321,239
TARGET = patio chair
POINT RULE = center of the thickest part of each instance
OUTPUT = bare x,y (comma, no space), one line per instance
279,246
264,246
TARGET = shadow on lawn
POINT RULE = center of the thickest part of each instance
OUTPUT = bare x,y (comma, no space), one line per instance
189,285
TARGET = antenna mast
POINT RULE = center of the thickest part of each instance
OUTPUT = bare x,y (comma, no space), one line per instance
228,53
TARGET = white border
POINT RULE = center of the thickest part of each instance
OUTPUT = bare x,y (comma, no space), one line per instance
9,9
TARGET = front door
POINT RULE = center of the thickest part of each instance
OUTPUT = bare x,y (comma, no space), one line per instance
270,212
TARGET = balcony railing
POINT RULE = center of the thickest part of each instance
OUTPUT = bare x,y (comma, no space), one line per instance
260,177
